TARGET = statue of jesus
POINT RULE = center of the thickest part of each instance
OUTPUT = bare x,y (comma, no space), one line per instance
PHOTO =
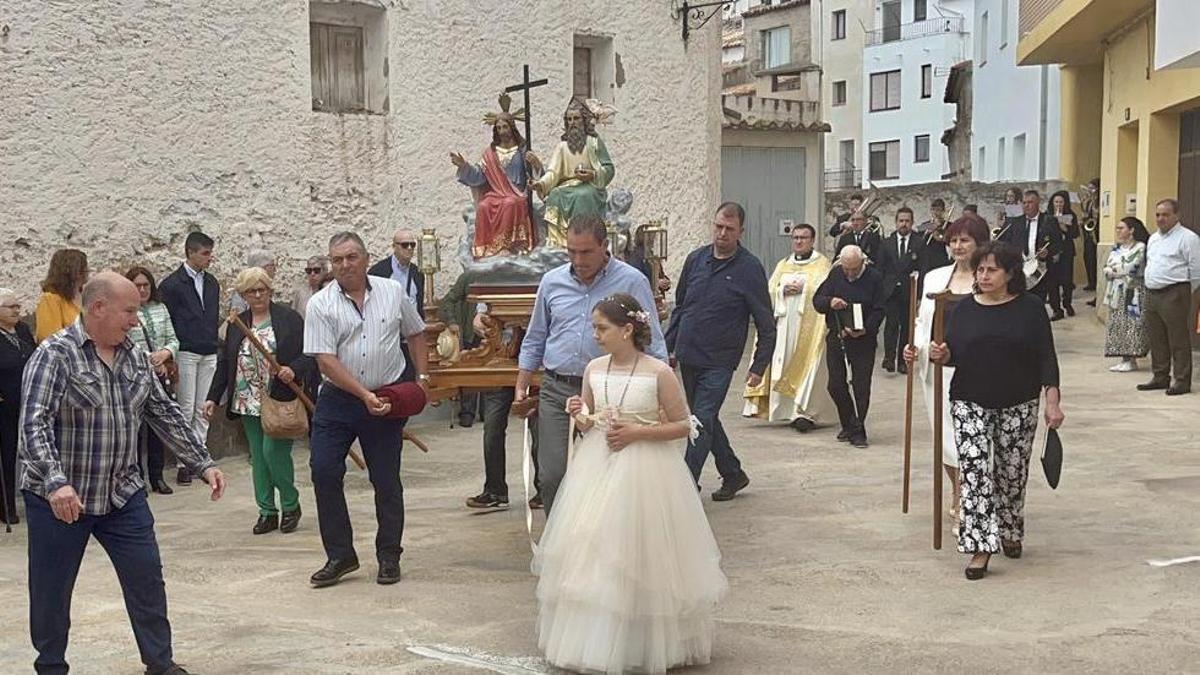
577,176
502,222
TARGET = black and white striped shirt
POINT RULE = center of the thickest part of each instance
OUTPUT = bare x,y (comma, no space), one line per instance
368,342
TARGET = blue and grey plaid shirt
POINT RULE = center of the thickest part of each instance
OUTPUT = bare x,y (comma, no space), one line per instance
80,421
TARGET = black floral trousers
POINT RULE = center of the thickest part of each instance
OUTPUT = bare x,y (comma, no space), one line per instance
994,447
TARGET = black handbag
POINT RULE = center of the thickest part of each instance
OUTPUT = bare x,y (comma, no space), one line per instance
1052,458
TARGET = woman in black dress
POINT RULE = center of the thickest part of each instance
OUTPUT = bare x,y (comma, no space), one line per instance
16,345
1063,275
1003,353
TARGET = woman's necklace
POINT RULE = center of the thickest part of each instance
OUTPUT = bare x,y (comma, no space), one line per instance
607,376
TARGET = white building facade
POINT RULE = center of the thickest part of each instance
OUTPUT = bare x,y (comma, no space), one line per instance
906,61
274,125
842,33
1016,116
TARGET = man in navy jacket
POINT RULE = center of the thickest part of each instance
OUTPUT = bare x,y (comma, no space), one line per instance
193,298
721,288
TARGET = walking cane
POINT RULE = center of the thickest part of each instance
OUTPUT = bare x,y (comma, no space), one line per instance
8,513
908,403
296,389
939,336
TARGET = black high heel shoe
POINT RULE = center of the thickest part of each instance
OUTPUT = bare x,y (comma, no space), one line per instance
977,573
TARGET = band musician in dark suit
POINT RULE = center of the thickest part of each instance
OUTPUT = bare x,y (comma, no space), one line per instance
861,237
899,256
1035,234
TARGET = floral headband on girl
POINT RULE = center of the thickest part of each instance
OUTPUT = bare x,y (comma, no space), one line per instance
637,316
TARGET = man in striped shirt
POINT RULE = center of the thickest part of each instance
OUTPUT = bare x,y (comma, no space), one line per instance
87,392
355,329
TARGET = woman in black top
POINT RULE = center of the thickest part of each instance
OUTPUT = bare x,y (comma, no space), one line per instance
1003,353
1064,268
16,345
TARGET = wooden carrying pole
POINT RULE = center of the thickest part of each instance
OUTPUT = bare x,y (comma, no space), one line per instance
908,402
296,389
939,336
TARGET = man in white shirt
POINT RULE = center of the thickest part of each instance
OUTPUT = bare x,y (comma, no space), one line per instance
1172,275
355,328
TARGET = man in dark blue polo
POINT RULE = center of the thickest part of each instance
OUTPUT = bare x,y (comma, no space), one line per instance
721,287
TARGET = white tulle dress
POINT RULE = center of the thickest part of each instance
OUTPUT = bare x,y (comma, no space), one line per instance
629,569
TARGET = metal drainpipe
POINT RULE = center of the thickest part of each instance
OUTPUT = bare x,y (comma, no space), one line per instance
1042,141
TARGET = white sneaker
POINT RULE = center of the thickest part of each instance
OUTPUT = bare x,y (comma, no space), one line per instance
1116,367
1125,367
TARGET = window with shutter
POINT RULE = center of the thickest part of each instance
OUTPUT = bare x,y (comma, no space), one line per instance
348,58
583,73
337,68
885,91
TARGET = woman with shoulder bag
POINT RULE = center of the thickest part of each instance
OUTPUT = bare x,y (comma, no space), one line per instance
156,336
244,380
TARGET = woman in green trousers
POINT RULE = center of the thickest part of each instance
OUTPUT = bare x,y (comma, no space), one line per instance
243,379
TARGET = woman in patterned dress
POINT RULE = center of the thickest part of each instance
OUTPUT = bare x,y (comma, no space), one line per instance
243,378
1000,343
1126,333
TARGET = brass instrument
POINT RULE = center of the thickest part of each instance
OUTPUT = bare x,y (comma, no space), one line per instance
868,208
1087,203
938,233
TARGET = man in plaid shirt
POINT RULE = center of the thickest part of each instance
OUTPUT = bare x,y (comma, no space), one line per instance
87,390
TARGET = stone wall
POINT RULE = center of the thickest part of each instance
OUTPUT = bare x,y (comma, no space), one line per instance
988,196
127,124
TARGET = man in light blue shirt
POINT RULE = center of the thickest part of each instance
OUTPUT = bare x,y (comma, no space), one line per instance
559,340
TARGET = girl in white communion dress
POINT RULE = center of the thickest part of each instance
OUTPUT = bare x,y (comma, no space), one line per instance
629,569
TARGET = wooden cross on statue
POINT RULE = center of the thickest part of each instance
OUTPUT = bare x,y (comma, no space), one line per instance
525,86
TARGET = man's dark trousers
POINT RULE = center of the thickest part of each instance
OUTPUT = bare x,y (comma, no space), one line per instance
705,389
340,419
852,411
497,406
895,329
55,552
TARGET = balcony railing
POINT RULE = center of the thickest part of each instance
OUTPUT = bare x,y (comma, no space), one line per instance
843,179
917,29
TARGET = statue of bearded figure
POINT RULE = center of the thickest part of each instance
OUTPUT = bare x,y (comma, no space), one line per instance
576,178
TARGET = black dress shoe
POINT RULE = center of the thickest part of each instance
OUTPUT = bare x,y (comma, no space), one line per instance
266,524
1058,315
803,424
172,669
332,572
184,477
160,486
535,502
1178,390
1153,385
730,487
889,366
859,441
487,500
1011,549
389,573
1090,303
466,420
844,436
902,368
290,521
1070,310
